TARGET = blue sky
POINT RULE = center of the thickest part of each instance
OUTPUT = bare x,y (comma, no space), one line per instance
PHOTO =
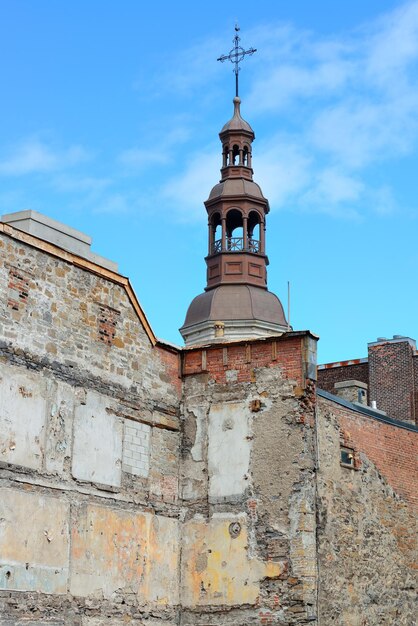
109,122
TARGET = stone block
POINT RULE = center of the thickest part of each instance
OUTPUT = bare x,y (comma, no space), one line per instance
22,417
229,449
97,448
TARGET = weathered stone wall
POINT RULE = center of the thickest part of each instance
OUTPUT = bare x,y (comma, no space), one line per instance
145,485
366,525
248,547
89,448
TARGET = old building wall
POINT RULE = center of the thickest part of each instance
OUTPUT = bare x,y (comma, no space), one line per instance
333,373
89,448
366,522
248,545
145,485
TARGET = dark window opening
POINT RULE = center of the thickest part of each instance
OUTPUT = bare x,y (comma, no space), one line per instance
254,232
347,457
216,233
234,231
225,155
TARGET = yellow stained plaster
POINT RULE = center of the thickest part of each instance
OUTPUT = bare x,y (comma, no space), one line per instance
216,567
114,549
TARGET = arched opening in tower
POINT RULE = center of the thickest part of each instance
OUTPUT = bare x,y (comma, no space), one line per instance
215,234
254,225
234,231
225,155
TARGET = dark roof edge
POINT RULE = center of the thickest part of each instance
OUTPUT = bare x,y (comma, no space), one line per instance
366,411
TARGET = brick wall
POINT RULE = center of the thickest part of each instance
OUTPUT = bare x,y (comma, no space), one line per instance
328,376
236,362
394,450
391,378
366,519
415,362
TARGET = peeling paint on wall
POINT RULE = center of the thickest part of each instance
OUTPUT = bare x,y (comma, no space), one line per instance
228,449
217,569
22,418
97,453
34,542
121,550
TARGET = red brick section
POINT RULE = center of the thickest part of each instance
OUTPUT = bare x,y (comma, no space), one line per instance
18,289
285,352
394,450
330,375
107,320
171,360
391,379
415,362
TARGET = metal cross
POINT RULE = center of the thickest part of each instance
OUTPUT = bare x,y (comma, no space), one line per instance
236,55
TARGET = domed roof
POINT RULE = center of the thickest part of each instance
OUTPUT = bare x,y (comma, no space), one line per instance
236,122
236,187
236,302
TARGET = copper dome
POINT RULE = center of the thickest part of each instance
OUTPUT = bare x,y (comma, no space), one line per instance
236,187
237,123
236,302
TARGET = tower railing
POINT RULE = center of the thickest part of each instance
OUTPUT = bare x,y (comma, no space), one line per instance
236,244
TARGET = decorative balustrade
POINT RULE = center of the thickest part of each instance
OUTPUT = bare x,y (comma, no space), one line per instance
254,245
217,246
236,244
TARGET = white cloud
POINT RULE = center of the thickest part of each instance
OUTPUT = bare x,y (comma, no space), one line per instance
282,169
394,44
116,203
361,131
347,103
33,157
80,184
187,191
139,158
160,151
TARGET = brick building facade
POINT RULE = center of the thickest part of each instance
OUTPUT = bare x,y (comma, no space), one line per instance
388,374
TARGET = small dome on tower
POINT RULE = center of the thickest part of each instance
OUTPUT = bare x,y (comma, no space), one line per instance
244,310
237,186
237,122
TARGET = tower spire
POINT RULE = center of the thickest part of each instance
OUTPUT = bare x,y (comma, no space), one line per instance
236,55
236,303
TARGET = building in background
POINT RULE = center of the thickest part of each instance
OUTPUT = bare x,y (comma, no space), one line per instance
146,484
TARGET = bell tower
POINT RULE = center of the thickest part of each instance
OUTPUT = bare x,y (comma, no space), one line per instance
237,213
236,303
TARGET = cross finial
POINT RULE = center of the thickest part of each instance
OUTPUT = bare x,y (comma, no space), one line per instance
236,55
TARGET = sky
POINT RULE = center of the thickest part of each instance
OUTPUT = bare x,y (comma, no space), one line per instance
109,122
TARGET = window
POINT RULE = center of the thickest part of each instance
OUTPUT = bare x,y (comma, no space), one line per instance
347,457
